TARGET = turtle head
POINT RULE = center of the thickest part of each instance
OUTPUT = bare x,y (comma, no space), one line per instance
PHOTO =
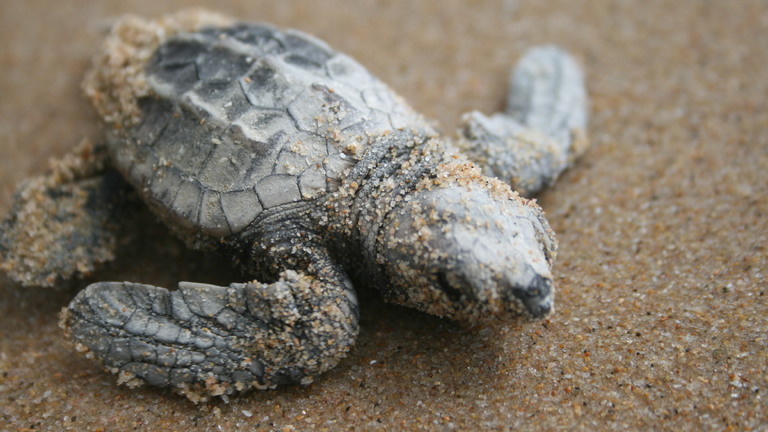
466,248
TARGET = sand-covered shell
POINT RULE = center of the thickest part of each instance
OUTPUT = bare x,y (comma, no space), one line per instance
241,119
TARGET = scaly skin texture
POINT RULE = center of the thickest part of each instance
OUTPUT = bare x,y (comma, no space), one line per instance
273,148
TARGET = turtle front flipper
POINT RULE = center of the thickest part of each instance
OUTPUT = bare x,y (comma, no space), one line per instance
542,130
64,223
205,340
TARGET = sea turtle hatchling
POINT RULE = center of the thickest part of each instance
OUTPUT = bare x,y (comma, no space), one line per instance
269,146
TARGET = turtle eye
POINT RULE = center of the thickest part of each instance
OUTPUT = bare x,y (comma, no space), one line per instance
445,285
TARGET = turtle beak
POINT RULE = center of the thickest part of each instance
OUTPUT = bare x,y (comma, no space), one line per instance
536,298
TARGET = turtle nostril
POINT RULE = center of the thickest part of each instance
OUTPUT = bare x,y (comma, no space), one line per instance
540,287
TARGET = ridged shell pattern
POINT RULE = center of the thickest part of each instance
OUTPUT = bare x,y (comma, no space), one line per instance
248,118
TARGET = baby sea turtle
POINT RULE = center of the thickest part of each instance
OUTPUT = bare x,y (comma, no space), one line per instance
271,147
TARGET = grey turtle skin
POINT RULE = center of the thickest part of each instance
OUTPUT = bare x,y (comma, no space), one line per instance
271,147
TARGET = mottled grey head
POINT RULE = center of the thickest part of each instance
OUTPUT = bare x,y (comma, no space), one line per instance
469,248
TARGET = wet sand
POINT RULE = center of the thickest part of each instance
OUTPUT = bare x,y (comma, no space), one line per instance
661,318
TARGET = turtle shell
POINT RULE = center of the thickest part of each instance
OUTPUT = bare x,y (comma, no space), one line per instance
247,118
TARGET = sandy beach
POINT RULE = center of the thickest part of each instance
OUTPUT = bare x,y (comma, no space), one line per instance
662,271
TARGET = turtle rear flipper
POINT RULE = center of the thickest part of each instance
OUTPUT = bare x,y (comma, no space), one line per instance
64,223
542,130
